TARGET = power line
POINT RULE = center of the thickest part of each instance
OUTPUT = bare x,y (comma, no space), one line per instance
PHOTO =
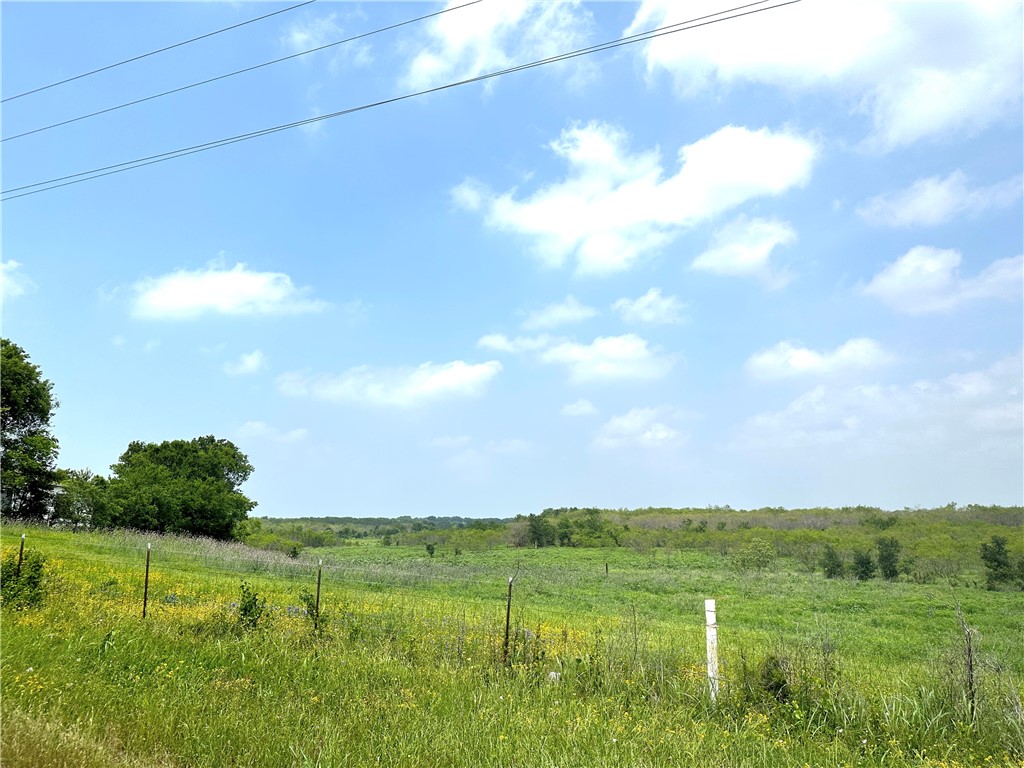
128,165
239,71
153,53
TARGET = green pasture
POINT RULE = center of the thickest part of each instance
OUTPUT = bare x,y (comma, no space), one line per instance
407,668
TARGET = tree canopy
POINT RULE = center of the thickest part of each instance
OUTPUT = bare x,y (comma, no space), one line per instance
178,486
28,451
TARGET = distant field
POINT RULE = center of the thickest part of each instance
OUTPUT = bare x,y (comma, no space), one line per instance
406,667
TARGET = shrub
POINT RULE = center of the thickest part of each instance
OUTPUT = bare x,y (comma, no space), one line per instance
888,557
864,566
997,561
832,564
251,607
430,549
755,554
26,589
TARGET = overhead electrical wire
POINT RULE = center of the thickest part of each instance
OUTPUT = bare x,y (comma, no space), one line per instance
153,53
128,165
239,71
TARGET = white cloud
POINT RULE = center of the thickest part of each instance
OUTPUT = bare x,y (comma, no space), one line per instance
188,294
743,248
403,387
499,342
609,357
561,313
14,282
926,280
260,430
652,307
891,61
579,408
151,345
951,413
492,36
247,363
316,32
640,427
786,360
935,200
615,207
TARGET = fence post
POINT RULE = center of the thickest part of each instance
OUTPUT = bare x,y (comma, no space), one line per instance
508,616
508,619
711,622
21,554
145,589
316,611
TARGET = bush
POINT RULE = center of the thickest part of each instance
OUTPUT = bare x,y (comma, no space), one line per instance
997,562
832,564
864,566
27,589
755,554
251,607
889,557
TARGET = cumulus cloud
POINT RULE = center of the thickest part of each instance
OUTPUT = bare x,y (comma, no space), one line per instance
14,282
499,342
260,430
957,410
609,358
579,408
640,427
936,200
786,359
239,291
743,248
492,36
890,61
401,387
315,32
247,363
561,313
616,206
926,280
652,308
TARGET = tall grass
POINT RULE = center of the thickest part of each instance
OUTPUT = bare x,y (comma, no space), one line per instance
407,671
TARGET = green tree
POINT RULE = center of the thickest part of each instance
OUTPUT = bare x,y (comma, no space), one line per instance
179,486
80,496
541,531
997,561
832,564
28,451
888,557
864,566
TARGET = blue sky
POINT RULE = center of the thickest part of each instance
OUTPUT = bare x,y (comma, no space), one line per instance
771,261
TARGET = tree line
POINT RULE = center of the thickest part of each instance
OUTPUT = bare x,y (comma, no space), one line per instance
176,486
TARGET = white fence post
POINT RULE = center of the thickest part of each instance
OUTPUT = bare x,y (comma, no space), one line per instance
711,623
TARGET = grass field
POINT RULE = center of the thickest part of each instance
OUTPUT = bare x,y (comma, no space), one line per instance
606,663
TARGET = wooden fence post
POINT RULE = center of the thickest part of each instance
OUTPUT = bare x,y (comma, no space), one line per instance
316,611
21,554
711,622
508,615
145,589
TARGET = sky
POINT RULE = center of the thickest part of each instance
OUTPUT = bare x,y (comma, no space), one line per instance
770,261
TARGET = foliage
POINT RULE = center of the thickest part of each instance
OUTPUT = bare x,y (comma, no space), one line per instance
888,557
431,547
541,531
864,566
251,607
179,486
28,450
756,554
998,565
832,564
81,497
27,588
